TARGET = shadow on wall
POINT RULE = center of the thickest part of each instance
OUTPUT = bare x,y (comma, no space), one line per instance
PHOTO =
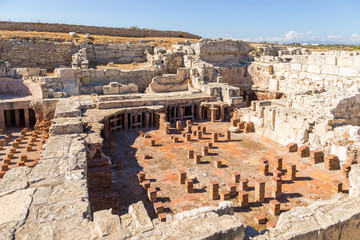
13,88
347,111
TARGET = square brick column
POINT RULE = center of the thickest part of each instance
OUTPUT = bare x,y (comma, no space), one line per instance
291,171
276,187
189,186
244,184
214,137
152,194
274,207
303,151
231,187
265,168
228,136
224,195
292,147
235,176
331,162
316,156
339,186
260,190
197,159
182,177
244,199
278,163
205,150
190,154
203,129
214,190
178,126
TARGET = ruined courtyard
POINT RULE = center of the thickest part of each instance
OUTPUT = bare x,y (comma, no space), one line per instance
157,139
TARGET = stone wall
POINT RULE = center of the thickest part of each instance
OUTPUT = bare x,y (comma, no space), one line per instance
117,53
337,218
42,54
122,32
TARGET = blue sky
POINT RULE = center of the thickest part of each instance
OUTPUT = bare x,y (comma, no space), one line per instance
252,20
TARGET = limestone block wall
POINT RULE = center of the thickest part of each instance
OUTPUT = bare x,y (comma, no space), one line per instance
332,70
69,81
122,32
222,51
117,53
42,54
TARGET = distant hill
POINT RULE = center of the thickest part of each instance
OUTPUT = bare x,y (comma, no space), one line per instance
109,31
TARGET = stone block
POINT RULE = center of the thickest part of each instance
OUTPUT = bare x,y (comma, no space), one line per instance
331,162
292,147
316,156
304,151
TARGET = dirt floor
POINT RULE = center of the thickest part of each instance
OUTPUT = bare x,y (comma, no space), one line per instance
31,156
242,154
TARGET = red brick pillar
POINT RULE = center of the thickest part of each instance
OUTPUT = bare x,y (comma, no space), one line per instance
231,187
214,137
199,134
178,126
291,171
190,154
264,168
224,195
303,151
260,190
276,187
244,199
218,163
205,150
244,184
189,186
275,207
331,162
152,194
316,156
203,129
292,147
228,136
339,186
197,159
182,177
141,176
278,163
235,176
214,190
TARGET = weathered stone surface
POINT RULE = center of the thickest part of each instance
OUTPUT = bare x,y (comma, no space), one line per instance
139,214
106,223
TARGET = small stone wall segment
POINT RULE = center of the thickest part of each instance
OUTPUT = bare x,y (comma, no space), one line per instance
337,218
121,32
42,54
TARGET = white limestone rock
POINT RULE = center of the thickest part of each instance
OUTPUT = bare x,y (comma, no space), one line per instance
106,223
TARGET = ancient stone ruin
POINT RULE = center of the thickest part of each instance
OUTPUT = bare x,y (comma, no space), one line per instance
206,139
